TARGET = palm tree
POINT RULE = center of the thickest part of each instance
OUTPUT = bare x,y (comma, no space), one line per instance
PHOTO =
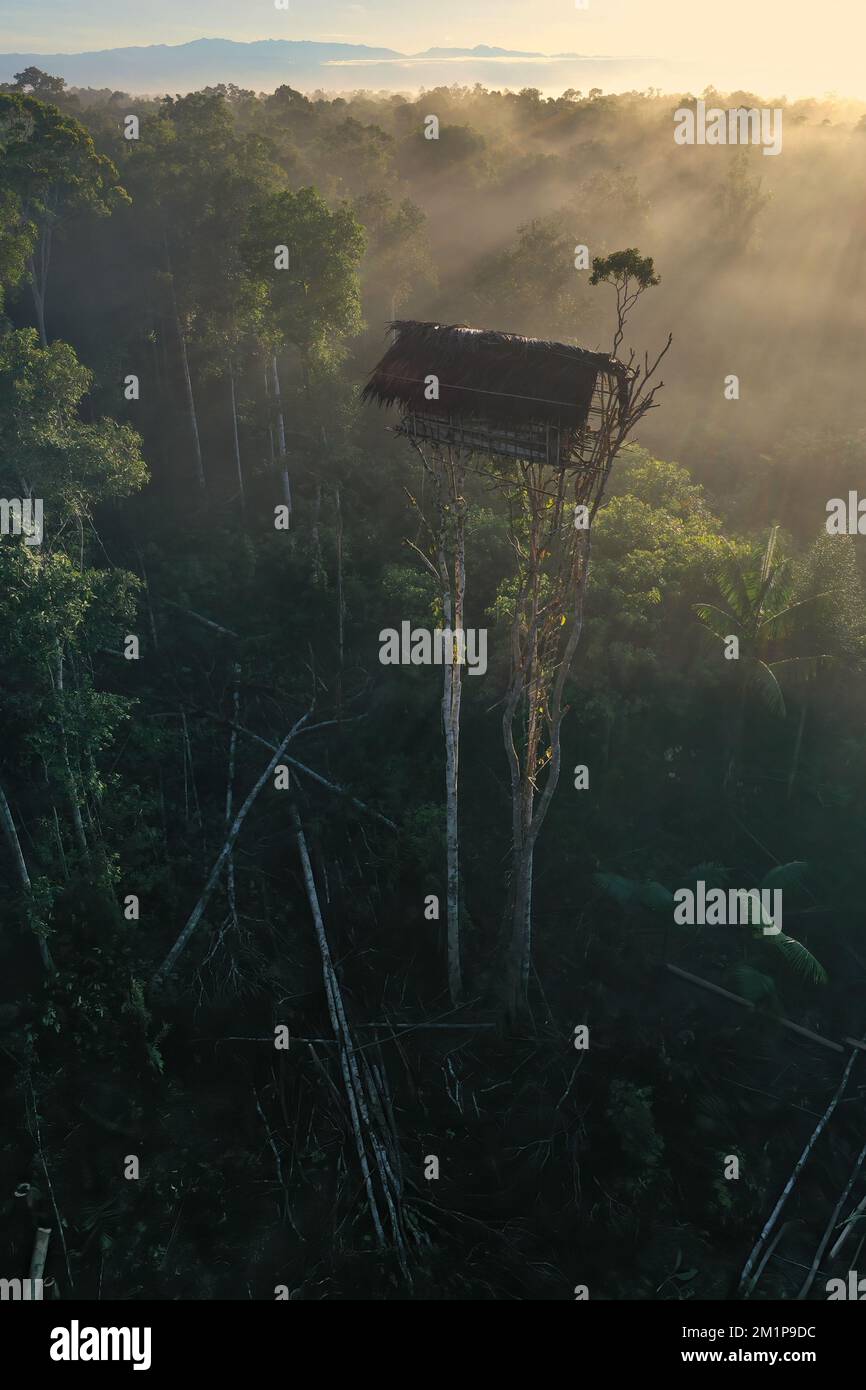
758,608
759,951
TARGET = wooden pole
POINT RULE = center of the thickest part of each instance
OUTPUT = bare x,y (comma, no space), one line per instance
747,1004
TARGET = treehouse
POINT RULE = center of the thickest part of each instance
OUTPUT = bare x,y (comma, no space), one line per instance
500,394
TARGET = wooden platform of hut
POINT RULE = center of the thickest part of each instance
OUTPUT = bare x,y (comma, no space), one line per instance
498,393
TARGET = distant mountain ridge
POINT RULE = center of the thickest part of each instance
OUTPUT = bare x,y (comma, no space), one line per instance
306,64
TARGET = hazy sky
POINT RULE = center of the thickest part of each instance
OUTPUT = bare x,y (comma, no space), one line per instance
773,46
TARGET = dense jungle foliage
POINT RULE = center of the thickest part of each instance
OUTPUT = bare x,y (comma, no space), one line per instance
559,1166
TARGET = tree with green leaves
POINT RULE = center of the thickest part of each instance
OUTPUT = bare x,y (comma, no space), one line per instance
194,177
630,274
760,946
50,166
398,259
757,607
34,82
306,256
46,449
56,613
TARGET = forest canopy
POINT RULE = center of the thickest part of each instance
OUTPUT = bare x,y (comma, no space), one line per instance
224,816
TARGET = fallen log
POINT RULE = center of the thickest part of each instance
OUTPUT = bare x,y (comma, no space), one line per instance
216,872
800,1165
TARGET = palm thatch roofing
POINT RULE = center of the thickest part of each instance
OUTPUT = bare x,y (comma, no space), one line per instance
497,377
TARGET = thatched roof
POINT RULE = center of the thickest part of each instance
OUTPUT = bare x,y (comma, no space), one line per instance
498,377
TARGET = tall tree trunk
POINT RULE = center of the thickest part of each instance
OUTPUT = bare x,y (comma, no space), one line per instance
235,439
190,401
39,306
798,744
453,596
341,603
69,779
546,631
447,470
281,439
736,736
230,786
190,398
14,843
272,458
38,267
315,535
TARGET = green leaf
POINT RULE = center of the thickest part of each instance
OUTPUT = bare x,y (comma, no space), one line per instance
768,688
716,619
753,984
631,893
798,958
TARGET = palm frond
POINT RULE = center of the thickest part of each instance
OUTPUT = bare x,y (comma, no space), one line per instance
768,688
802,668
732,584
799,958
632,893
783,622
716,619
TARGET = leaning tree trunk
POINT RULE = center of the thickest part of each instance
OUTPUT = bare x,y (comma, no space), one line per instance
798,744
375,1140
219,864
11,834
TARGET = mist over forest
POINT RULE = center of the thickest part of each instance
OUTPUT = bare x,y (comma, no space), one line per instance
225,948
